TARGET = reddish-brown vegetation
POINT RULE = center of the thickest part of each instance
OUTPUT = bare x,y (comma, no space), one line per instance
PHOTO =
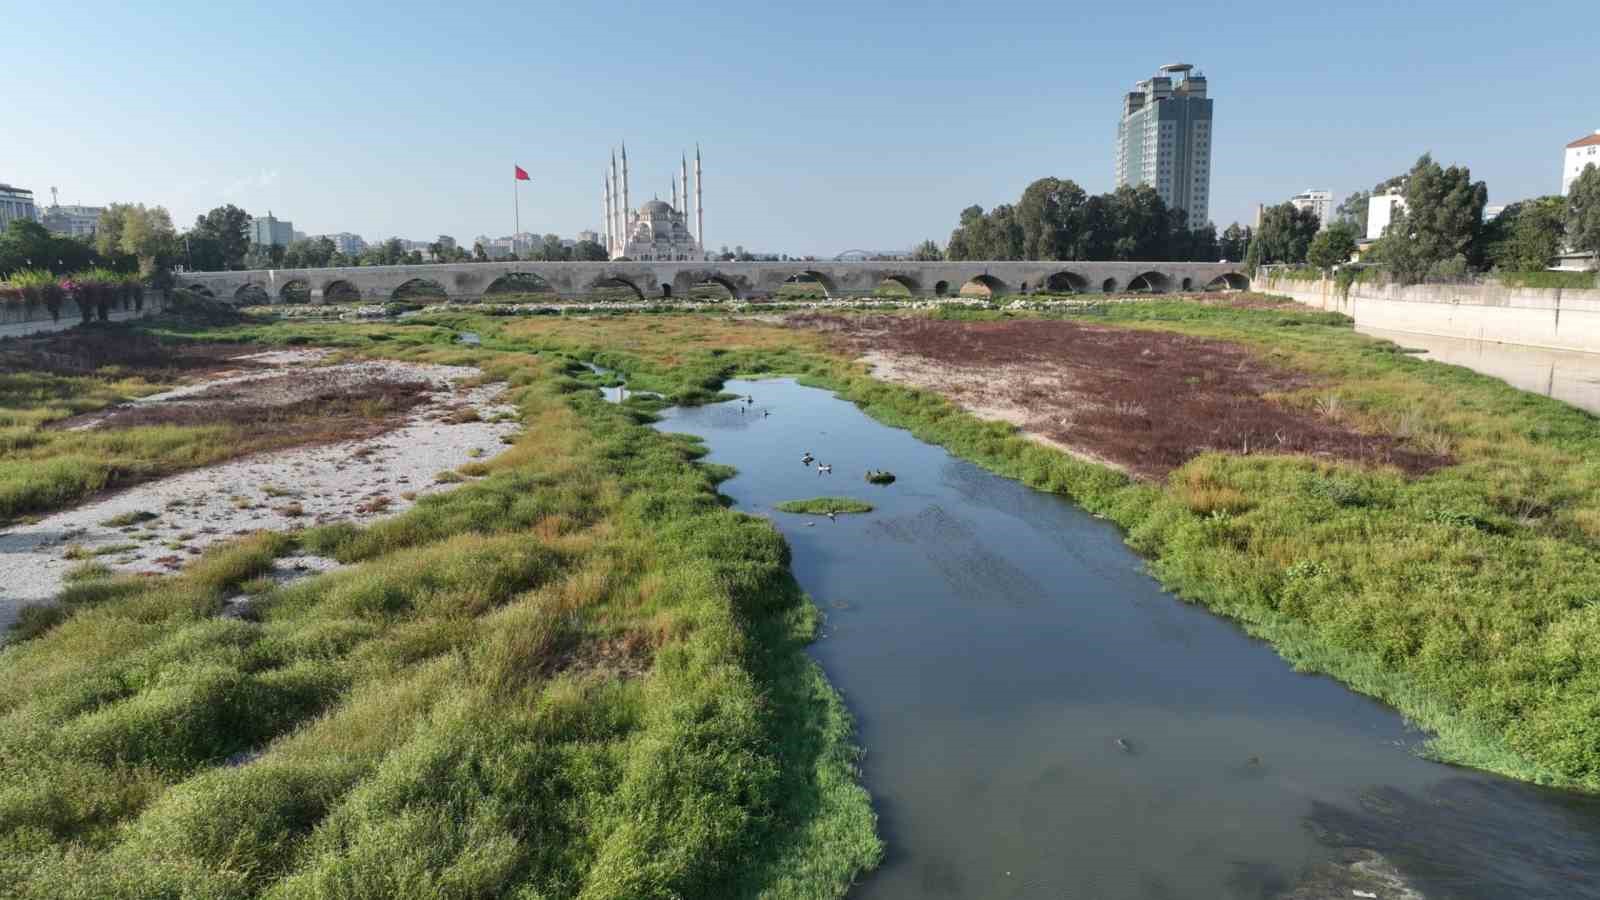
1148,401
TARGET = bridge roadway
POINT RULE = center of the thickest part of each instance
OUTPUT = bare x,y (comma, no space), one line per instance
745,280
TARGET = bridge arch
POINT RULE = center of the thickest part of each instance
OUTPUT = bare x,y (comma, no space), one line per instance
897,286
199,288
1151,282
340,290
419,289
1108,286
295,290
809,277
1229,281
519,283
251,295
705,286
614,281
1188,284
941,288
984,285
1066,281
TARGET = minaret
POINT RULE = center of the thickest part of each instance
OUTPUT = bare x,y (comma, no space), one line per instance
616,225
675,207
699,211
607,219
683,162
627,207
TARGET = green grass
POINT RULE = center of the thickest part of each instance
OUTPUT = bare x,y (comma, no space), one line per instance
580,675
821,506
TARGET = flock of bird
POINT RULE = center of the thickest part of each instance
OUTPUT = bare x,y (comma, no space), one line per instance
749,400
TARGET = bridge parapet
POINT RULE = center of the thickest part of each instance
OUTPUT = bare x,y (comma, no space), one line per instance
744,280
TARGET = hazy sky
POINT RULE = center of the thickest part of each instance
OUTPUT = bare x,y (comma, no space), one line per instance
825,126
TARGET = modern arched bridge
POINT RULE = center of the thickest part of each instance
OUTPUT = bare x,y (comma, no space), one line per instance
744,280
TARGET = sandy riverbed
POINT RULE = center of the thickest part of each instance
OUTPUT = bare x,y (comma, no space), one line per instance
355,481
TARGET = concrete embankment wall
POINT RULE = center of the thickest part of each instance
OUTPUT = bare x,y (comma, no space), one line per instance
1553,318
20,321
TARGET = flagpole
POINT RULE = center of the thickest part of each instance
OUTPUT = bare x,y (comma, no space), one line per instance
516,200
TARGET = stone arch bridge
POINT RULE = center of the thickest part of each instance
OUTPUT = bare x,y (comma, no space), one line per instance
742,280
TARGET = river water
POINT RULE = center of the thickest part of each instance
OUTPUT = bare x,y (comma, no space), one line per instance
1042,719
1566,375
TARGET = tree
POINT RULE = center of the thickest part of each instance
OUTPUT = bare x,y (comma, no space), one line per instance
1332,245
225,231
1284,236
265,256
551,249
478,253
313,253
1235,241
148,237
1526,236
1354,210
927,251
1583,213
26,244
1440,223
588,251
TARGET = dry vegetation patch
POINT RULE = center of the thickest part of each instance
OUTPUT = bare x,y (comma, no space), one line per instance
1145,401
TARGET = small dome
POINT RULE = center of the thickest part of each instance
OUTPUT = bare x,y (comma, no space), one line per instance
653,207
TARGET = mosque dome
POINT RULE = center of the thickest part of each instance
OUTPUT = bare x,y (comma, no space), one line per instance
655,207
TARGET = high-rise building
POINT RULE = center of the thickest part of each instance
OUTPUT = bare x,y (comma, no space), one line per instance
1320,203
16,203
351,245
267,231
1580,153
1164,139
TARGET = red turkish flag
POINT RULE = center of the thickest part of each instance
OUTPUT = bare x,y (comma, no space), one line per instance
521,175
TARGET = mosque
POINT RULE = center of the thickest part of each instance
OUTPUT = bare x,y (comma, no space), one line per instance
656,231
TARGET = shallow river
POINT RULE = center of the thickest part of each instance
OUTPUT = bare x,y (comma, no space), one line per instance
1041,719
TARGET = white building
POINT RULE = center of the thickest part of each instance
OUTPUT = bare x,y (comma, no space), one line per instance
591,236
1380,212
1320,203
351,245
16,203
1164,140
1580,153
656,230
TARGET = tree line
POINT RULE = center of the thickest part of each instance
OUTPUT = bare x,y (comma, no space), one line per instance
1055,219
1439,231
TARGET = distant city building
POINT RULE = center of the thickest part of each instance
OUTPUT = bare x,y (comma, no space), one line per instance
446,242
1164,140
351,245
1380,212
16,203
1490,213
72,221
1580,153
1320,203
656,230
298,236
268,231
1261,210
592,236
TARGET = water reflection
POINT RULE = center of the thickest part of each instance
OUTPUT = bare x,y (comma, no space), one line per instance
995,643
1562,374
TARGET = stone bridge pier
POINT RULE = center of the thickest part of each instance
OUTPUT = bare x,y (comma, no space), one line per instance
676,280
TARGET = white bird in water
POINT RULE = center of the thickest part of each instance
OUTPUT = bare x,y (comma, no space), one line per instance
821,469
807,459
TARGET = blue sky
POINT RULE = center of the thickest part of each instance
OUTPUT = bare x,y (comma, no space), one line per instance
825,126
